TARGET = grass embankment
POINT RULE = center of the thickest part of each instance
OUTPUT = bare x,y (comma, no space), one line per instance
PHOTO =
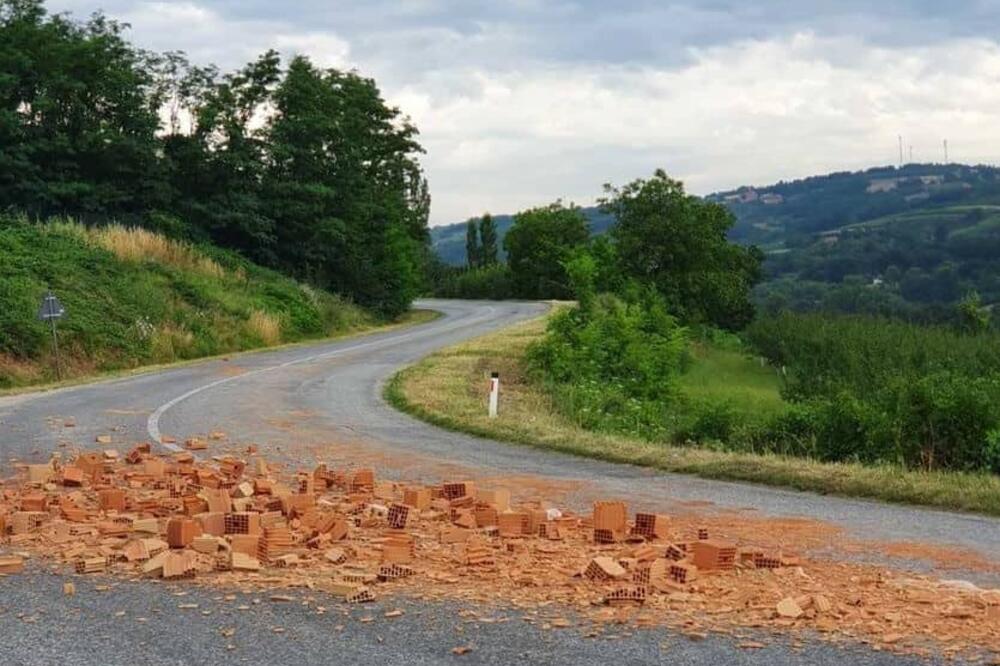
446,389
135,298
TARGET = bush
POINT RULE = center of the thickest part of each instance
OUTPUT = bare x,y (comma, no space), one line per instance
488,282
614,364
885,391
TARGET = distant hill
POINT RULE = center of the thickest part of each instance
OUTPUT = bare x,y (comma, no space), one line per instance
885,239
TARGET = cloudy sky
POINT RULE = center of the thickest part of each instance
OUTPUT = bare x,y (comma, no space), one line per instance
520,102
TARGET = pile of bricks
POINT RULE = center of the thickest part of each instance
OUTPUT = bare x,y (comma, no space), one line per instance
348,533
177,517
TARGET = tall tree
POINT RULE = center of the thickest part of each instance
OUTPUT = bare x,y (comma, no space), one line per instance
488,250
77,120
472,248
677,243
539,244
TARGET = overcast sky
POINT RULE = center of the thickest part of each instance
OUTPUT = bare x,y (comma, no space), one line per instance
520,102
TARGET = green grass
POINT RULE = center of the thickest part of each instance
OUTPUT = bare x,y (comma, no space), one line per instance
731,377
138,299
446,389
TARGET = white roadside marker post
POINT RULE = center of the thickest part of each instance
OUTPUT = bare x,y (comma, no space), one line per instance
494,394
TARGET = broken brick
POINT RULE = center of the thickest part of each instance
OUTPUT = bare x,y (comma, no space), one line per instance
182,531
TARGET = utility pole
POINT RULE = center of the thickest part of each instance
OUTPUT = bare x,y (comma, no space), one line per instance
946,151
900,151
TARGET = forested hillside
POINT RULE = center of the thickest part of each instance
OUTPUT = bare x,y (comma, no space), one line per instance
301,169
910,242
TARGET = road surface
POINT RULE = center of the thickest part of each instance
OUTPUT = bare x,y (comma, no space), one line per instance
323,402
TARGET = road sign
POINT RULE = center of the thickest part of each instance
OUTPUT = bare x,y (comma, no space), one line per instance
51,308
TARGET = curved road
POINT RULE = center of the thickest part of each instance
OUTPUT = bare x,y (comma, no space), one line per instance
323,402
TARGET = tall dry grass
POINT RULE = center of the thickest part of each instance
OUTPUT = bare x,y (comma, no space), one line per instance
265,326
138,245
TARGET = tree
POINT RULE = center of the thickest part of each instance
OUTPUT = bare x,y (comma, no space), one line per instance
77,119
487,240
677,243
472,251
539,244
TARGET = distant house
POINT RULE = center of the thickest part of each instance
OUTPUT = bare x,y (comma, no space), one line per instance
877,185
932,180
748,195
771,199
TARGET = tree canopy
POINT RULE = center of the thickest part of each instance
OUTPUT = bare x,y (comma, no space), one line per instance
539,244
677,243
304,169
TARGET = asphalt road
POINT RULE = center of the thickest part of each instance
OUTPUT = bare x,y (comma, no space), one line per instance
323,402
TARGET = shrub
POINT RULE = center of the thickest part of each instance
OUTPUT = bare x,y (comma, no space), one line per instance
614,363
887,391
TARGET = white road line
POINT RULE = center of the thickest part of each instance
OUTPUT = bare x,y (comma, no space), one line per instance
153,423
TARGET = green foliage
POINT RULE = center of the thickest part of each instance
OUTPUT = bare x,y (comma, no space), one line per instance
488,282
302,169
121,314
677,243
472,249
538,244
487,240
613,364
886,391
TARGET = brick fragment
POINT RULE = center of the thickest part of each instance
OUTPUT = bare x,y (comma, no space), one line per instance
498,497
243,562
363,595
393,571
418,497
454,490
244,522
111,499
513,524
11,564
182,531
611,516
632,594
651,525
682,572
713,554
398,515
90,565
604,568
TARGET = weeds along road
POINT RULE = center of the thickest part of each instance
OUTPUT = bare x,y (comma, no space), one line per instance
323,402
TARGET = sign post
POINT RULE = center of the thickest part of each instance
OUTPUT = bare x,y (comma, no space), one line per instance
494,394
51,310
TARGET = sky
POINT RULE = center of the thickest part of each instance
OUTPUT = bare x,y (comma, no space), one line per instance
521,102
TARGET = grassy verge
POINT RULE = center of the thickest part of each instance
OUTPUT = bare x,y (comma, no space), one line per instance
410,318
447,389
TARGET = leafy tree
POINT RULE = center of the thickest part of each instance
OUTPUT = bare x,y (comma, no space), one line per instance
472,244
77,121
487,240
677,243
538,245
